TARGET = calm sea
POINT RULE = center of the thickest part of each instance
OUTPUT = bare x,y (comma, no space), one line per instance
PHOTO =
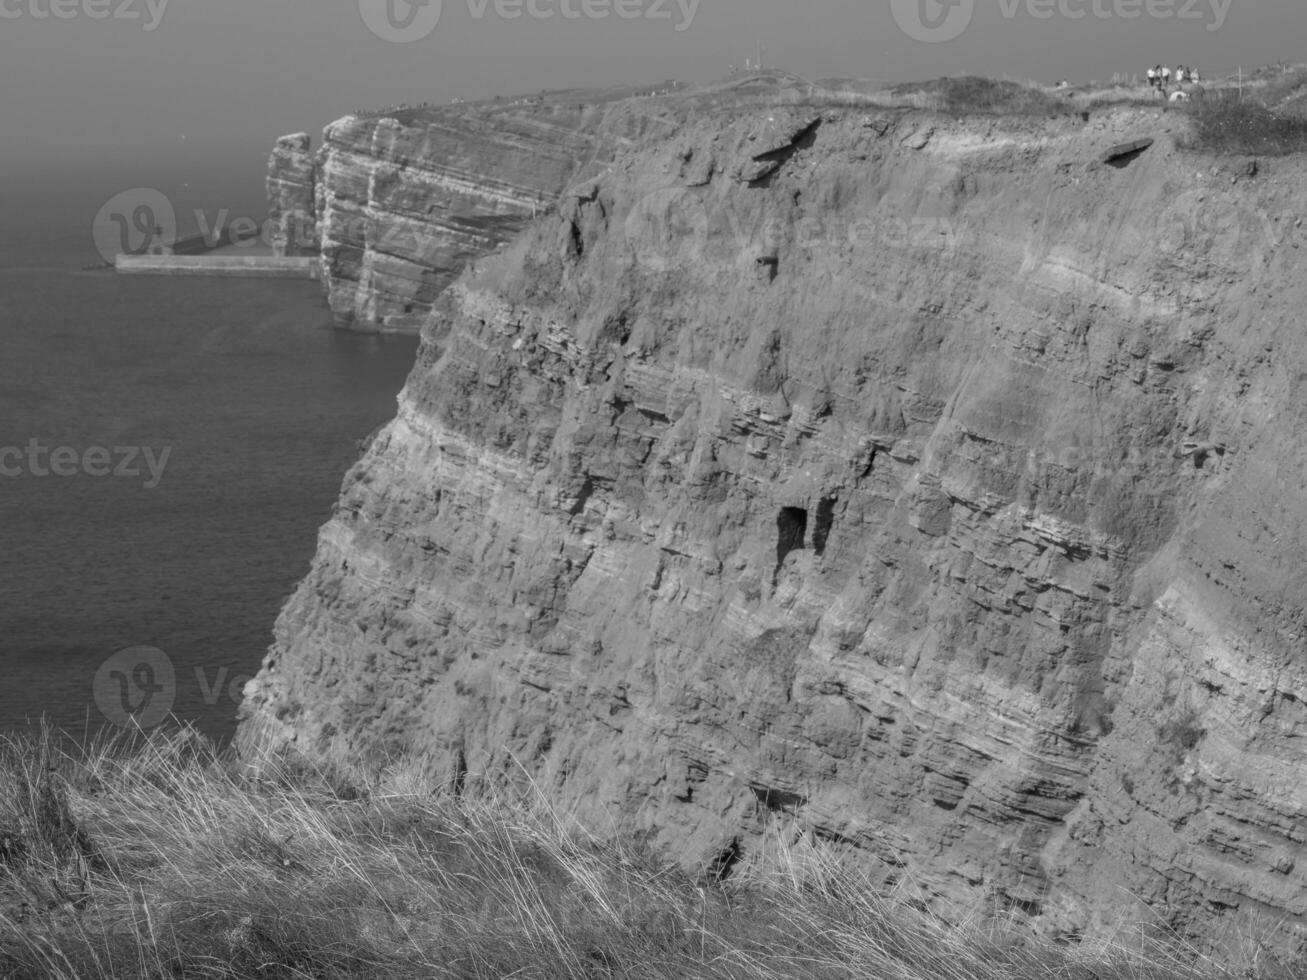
243,407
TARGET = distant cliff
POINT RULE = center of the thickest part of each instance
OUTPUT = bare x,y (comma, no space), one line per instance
396,204
929,487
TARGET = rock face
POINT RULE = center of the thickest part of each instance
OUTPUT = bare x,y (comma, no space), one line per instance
292,184
927,487
397,204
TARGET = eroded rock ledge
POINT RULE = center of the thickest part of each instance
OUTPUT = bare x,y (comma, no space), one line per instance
832,473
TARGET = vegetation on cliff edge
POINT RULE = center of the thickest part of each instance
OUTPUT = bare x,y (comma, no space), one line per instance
158,857
1225,124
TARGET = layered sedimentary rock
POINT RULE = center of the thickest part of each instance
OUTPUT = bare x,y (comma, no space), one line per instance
400,202
292,187
929,488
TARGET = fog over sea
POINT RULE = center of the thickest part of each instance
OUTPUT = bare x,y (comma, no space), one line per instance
256,400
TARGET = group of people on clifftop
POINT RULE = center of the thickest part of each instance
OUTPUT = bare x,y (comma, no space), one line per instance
1160,77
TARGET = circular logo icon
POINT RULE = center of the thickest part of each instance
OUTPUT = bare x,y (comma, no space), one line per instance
932,21
400,21
136,222
667,227
1212,221
136,687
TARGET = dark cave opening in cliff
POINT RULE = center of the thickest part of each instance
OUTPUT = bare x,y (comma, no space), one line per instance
791,526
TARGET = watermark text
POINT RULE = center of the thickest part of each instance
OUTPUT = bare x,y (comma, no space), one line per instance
149,11
138,686
936,21
37,459
406,21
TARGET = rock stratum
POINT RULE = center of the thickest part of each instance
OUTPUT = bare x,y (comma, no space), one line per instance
929,487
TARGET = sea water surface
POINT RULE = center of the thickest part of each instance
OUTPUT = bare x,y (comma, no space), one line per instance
244,408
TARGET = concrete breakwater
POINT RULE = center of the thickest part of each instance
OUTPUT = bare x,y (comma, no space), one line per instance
259,266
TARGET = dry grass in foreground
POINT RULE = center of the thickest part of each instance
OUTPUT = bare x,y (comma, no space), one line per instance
158,858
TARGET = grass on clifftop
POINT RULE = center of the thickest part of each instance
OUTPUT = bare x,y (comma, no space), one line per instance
157,858
1225,124
973,95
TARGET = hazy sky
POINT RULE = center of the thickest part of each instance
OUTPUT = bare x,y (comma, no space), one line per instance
115,80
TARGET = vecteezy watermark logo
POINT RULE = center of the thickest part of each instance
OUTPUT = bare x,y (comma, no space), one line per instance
1210,225
140,221
405,21
400,21
136,686
139,686
932,21
152,13
1211,220
664,226
1226,225
143,221
39,460
680,227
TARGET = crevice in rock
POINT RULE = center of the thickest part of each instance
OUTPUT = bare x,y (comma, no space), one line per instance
695,773
459,778
727,858
870,467
619,405
791,526
615,330
778,158
833,836
776,800
1124,154
587,490
821,526
1199,451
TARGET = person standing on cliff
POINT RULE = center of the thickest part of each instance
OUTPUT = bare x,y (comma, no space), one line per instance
1152,78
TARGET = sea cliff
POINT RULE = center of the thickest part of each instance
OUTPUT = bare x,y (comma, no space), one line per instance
926,487
395,204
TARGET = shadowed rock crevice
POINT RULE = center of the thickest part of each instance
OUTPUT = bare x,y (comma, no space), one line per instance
1122,155
769,163
771,799
791,528
724,863
821,527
